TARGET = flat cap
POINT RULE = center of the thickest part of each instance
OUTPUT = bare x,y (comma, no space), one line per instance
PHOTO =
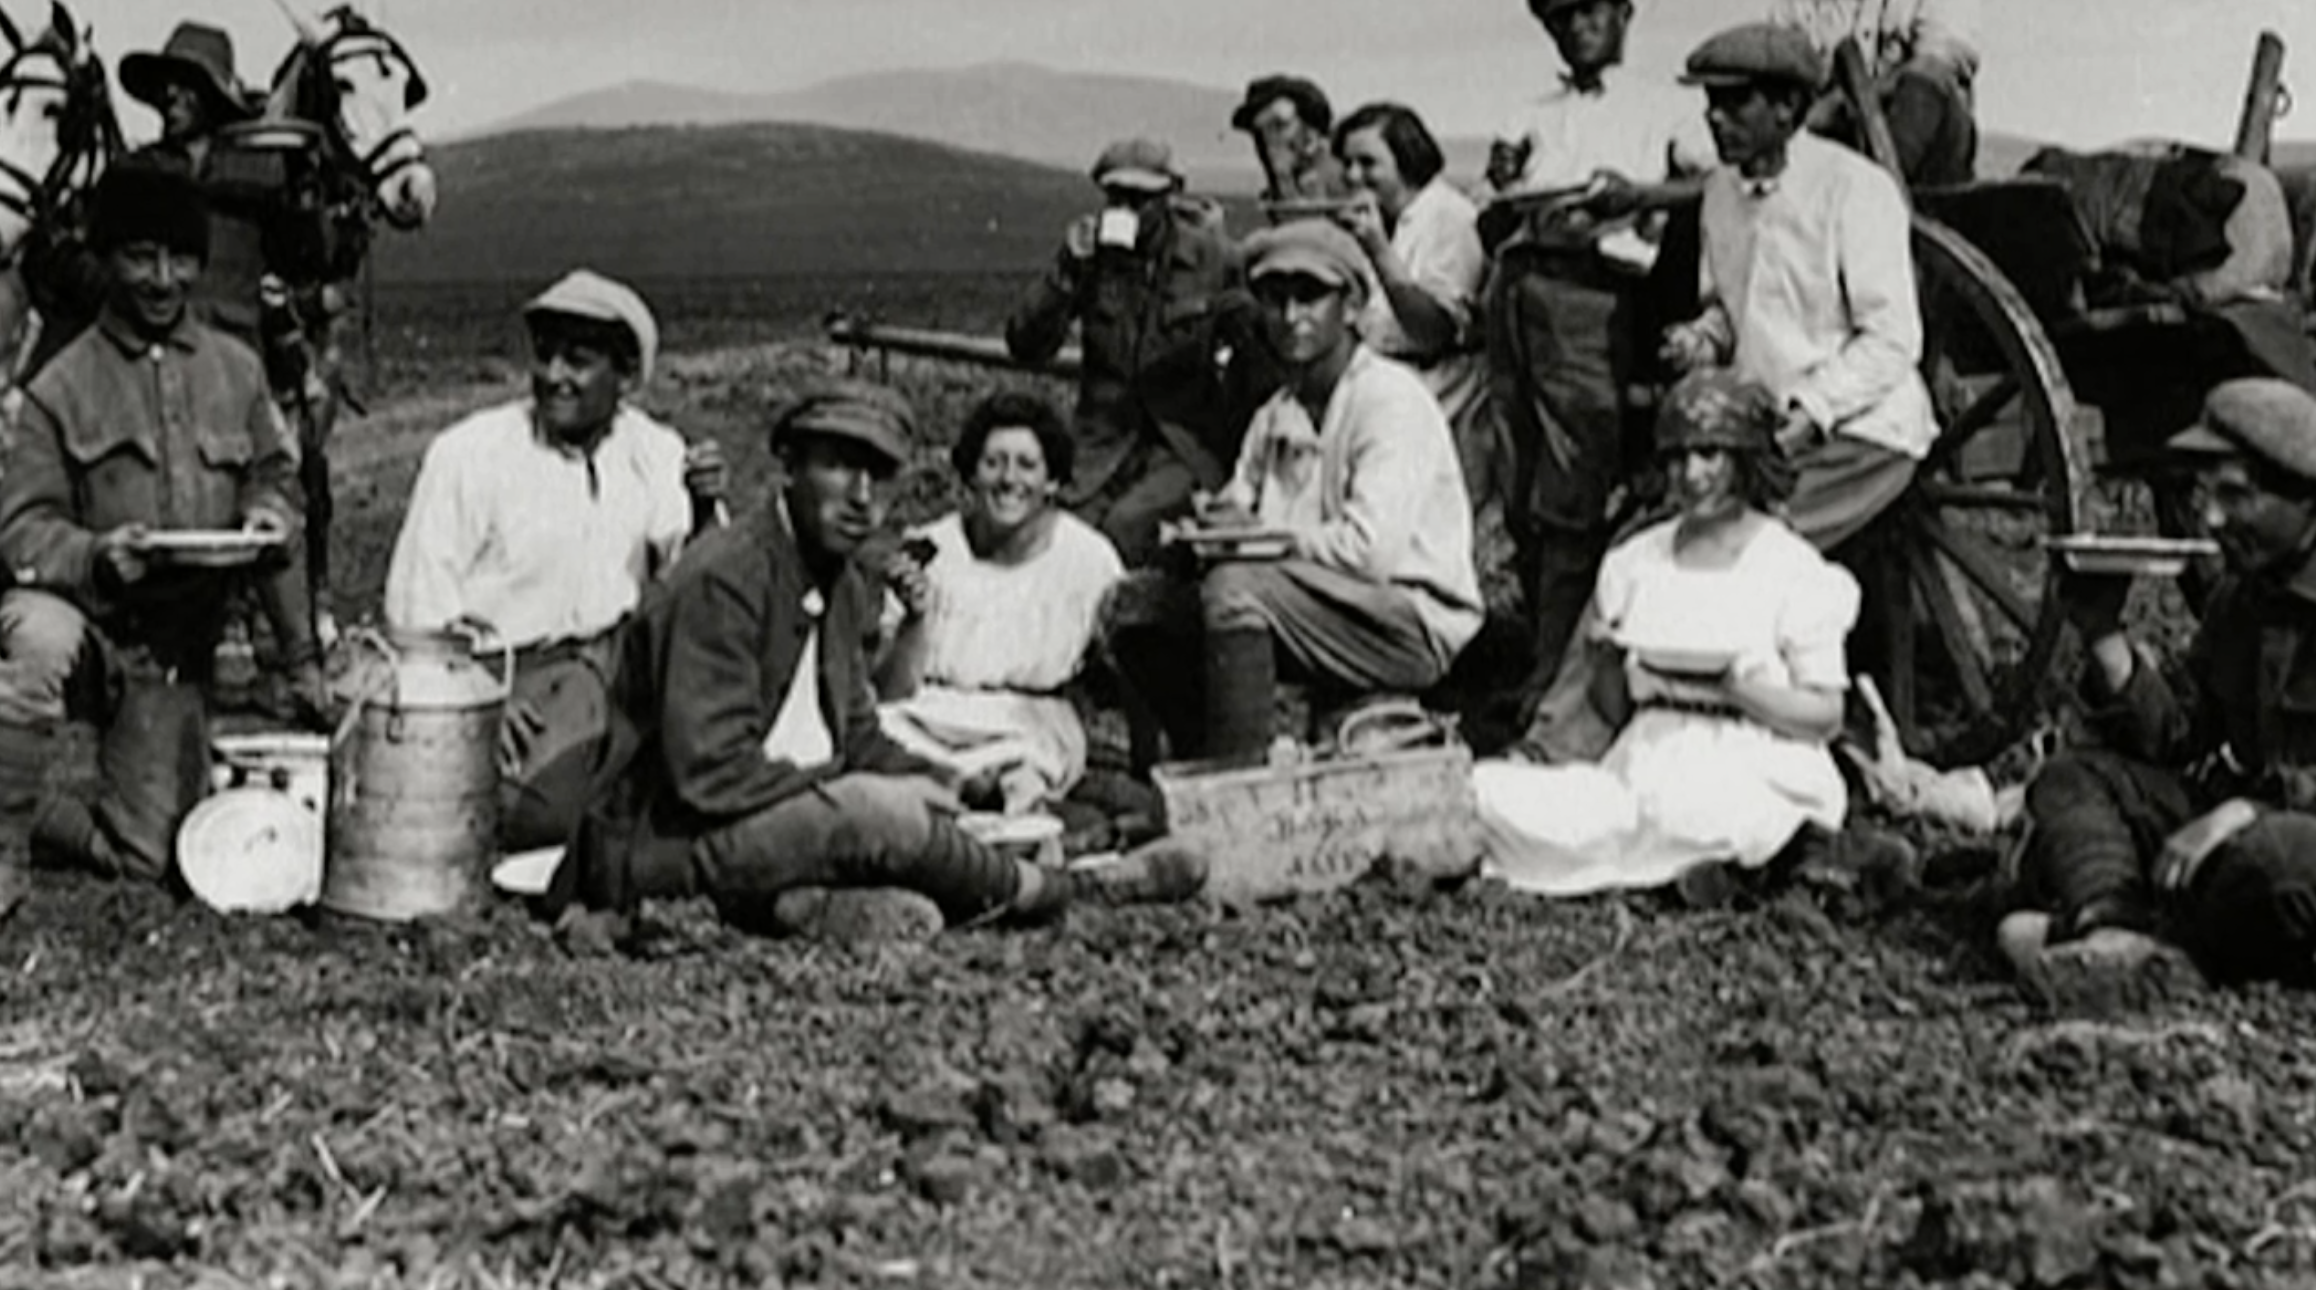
1546,8
1318,247
584,293
1143,164
1757,51
2259,416
1310,101
856,410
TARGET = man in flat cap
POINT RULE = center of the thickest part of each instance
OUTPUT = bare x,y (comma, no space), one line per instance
1291,122
538,524
1564,322
1923,56
147,422
1808,284
2189,822
1171,362
1353,460
747,763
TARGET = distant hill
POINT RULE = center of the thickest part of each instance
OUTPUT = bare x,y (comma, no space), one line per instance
1061,119
728,201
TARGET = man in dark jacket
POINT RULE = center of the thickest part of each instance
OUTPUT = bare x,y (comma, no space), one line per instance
2191,823
747,763
1173,360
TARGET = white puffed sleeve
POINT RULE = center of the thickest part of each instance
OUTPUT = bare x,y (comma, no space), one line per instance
1813,625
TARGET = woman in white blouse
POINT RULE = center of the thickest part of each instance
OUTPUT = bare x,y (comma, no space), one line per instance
1422,239
996,607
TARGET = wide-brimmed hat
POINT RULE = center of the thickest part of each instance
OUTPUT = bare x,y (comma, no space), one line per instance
198,54
584,293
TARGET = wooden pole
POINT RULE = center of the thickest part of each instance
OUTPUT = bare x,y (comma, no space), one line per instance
1857,84
2256,127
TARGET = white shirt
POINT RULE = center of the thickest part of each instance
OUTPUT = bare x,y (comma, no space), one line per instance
799,733
1374,490
1811,282
1890,33
541,542
1645,130
1437,239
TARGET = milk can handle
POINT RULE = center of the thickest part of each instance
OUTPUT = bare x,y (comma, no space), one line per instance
480,634
366,638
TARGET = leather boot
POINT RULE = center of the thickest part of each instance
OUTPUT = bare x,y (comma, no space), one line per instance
23,768
1241,692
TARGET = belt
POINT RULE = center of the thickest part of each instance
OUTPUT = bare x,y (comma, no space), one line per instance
1696,707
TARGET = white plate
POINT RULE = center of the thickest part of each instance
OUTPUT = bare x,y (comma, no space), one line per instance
2152,557
527,873
1677,661
211,548
1011,830
1239,544
251,850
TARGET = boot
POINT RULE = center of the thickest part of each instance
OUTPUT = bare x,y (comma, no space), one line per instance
23,767
1241,690
1164,871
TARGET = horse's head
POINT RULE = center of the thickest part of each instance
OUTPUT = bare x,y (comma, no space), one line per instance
56,122
358,82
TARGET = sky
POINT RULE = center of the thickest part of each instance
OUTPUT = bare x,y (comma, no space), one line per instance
2080,72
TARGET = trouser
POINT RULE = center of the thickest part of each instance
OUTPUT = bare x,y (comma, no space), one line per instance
1928,109
153,724
1333,628
1841,486
857,830
2101,819
1562,347
565,690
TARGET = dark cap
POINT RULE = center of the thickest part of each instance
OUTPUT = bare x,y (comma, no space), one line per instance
1310,101
147,200
2258,416
1757,51
1145,165
1716,408
855,410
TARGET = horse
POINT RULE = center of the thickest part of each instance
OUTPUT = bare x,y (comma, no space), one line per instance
58,131
359,85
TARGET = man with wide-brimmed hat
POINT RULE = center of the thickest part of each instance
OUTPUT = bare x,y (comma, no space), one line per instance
747,763
1290,120
539,522
2189,823
1170,365
1353,462
191,82
149,421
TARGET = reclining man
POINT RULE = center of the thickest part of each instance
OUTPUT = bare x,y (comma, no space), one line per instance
1923,55
147,421
1353,460
746,762
1171,366
2191,819
1565,338
538,524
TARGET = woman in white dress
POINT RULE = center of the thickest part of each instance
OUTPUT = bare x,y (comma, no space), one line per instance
1422,238
1724,632
993,610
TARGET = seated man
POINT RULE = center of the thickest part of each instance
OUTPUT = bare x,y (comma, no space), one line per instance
746,762
147,421
1170,367
1923,55
539,523
1291,123
1808,284
2191,820
1353,460
1564,336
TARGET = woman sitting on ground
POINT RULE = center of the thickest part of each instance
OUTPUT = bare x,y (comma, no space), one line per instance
1722,633
997,606
1422,238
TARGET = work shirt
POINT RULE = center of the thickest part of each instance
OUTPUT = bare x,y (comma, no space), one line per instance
1808,279
1645,130
1374,490
542,541
1437,239
178,433
1891,33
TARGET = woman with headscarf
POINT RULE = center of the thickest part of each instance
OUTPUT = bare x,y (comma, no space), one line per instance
1422,239
1722,632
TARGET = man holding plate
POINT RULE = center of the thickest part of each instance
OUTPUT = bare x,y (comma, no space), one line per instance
150,471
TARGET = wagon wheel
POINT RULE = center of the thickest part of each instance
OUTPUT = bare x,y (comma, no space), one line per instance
1965,586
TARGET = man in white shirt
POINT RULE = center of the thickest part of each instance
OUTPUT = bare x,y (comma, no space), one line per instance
1352,461
539,522
1808,284
1564,334
1923,55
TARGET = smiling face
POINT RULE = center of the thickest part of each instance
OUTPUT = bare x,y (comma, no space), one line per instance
1590,35
580,370
2257,528
1704,480
1369,165
151,285
1308,319
1012,483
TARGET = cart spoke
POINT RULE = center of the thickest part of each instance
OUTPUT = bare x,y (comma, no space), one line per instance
1980,565
1982,411
1961,630
1984,497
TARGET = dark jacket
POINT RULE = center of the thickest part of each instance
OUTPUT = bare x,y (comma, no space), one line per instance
703,668
2247,685
1173,353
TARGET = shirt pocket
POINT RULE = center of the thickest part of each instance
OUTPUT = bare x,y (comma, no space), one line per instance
113,471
